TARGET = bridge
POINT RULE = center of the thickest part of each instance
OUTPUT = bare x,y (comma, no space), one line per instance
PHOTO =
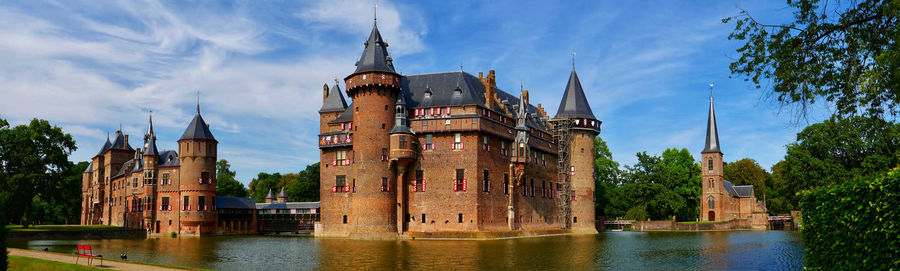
616,225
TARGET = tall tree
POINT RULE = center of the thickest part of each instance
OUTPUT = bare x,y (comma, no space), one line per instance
846,53
606,177
263,183
747,172
226,184
305,185
778,192
34,159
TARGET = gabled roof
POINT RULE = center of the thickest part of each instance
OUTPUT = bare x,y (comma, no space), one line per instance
235,203
335,101
375,56
198,129
119,143
738,191
712,134
574,103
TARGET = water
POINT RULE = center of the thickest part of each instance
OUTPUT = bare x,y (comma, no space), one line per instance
744,250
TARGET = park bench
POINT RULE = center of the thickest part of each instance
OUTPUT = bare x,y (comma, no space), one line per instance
85,251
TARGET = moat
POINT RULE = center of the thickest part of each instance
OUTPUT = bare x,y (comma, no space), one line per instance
758,250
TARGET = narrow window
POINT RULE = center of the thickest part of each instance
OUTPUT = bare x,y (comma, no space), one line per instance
384,154
711,202
403,142
165,204
384,184
187,203
204,177
423,218
420,181
428,144
710,165
339,182
460,179
506,183
201,203
486,187
532,188
460,217
574,219
457,141
345,216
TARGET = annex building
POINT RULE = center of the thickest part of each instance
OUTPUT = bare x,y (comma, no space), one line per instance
721,200
450,152
160,191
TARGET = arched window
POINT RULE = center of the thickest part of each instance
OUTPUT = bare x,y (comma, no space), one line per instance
711,202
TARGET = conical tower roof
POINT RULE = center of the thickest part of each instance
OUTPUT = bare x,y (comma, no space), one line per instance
270,195
335,101
106,145
375,56
282,194
150,140
198,129
574,103
712,134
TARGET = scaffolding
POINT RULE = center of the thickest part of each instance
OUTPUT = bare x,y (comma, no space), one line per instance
562,129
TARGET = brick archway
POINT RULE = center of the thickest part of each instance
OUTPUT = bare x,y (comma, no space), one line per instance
712,216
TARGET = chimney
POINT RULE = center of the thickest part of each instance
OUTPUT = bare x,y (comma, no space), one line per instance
324,93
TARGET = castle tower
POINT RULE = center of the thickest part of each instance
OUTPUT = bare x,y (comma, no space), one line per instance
402,153
711,207
282,196
332,106
197,158
150,159
270,198
518,160
373,87
584,127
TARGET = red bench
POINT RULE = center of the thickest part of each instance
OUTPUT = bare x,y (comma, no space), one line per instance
85,251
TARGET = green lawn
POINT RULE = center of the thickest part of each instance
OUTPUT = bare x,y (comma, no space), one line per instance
15,228
25,263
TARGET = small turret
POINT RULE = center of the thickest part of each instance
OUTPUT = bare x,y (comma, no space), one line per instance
282,196
270,197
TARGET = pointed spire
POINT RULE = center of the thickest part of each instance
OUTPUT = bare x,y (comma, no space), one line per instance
198,102
150,125
712,134
375,56
574,103
270,195
197,129
106,145
282,194
150,139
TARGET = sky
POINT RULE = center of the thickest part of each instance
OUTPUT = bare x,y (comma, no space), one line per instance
259,66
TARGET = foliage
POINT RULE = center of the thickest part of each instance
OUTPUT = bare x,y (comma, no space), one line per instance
840,149
302,186
856,224
747,172
656,187
34,162
606,177
226,184
778,197
844,53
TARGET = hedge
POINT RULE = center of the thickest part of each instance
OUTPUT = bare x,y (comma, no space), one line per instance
855,225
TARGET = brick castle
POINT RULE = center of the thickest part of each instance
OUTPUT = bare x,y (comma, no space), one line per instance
450,152
160,191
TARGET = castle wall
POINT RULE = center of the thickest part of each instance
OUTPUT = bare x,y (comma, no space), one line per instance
582,160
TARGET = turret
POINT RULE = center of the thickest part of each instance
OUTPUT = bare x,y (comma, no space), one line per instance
282,196
270,197
520,147
332,107
576,127
150,159
374,88
197,158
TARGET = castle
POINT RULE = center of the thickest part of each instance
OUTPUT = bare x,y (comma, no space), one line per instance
720,200
160,191
398,160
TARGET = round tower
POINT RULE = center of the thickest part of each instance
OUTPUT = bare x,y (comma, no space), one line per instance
576,122
197,160
373,87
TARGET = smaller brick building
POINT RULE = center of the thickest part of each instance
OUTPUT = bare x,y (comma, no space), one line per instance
721,200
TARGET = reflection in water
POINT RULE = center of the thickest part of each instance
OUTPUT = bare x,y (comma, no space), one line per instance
619,250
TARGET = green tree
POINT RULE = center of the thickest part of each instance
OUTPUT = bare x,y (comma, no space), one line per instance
305,185
747,172
667,185
606,177
844,53
226,184
263,183
778,195
34,159
838,150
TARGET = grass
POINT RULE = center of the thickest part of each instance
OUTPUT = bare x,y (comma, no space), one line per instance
154,264
32,228
25,263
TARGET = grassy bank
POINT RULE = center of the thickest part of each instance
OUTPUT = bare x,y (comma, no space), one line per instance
39,228
26,263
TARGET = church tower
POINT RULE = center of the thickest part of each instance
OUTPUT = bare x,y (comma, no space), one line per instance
374,88
581,127
711,207
197,157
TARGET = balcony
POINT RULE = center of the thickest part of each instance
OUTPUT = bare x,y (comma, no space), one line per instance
331,140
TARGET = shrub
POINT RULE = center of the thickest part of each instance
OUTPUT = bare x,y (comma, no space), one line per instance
173,234
853,225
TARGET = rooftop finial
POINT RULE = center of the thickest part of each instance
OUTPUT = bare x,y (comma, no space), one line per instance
120,126
573,60
376,12
198,101
710,92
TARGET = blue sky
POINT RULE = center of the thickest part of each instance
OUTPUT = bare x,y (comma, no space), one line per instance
260,66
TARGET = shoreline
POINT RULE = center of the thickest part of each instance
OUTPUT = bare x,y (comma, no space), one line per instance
110,264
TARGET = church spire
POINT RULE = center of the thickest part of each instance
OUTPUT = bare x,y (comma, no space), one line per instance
712,134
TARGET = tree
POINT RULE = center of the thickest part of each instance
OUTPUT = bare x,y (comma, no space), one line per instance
606,176
844,53
305,185
778,195
226,184
839,150
665,186
747,172
263,183
34,159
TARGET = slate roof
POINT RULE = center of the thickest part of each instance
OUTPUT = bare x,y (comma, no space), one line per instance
282,194
150,140
738,191
288,205
335,101
235,203
440,90
197,129
119,143
270,195
129,166
105,147
375,56
168,158
712,134
90,167
574,103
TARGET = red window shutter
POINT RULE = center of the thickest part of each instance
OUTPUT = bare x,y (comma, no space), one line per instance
460,145
454,185
424,147
333,189
342,126
423,185
416,186
346,188
349,126
465,184
452,146
448,111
